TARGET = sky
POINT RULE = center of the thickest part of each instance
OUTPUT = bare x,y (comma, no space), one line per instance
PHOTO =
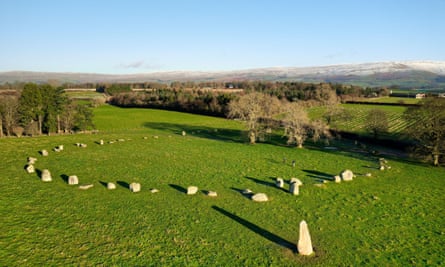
131,36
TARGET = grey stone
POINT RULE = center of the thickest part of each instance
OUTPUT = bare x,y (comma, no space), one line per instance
347,175
31,160
191,190
337,178
304,242
368,174
30,168
294,189
154,190
135,187
46,176
295,180
44,152
260,197
212,194
279,182
111,186
85,186
83,145
73,180
247,191
101,142
184,133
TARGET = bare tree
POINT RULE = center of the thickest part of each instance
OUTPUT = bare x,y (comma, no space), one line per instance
8,112
296,122
377,122
255,109
428,128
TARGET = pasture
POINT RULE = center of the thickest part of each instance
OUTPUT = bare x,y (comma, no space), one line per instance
394,218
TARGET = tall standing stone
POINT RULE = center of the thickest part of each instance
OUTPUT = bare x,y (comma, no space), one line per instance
44,152
294,188
304,242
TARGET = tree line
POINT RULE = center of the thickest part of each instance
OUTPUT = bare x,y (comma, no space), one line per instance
42,109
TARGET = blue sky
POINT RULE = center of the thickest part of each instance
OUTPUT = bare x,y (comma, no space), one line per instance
147,36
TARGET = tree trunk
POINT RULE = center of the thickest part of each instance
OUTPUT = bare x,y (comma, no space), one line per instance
40,125
252,137
436,159
58,124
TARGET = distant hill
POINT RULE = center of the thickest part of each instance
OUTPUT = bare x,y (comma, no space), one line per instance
408,74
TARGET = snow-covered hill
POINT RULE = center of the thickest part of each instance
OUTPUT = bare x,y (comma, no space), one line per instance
353,73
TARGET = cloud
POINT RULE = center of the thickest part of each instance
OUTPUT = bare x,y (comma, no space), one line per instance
140,64
133,65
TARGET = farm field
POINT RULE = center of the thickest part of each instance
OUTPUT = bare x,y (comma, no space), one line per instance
393,218
358,112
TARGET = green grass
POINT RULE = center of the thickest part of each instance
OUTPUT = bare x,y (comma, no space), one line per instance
394,218
392,100
359,112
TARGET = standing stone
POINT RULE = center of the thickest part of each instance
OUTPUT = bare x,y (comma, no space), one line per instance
101,142
347,175
31,160
30,168
247,191
111,186
368,174
293,163
212,194
83,145
279,182
73,180
191,190
337,178
184,133
135,187
295,180
46,176
294,189
304,242
260,197
44,152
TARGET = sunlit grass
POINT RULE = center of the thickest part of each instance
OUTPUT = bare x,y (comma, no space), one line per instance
393,218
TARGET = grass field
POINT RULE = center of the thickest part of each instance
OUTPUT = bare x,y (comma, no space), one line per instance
359,113
394,218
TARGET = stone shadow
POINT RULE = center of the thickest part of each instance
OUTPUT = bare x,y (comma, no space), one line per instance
258,230
228,135
124,184
105,184
241,191
179,188
319,175
64,178
261,182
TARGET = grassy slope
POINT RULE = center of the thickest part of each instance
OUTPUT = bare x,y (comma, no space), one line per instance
394,218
